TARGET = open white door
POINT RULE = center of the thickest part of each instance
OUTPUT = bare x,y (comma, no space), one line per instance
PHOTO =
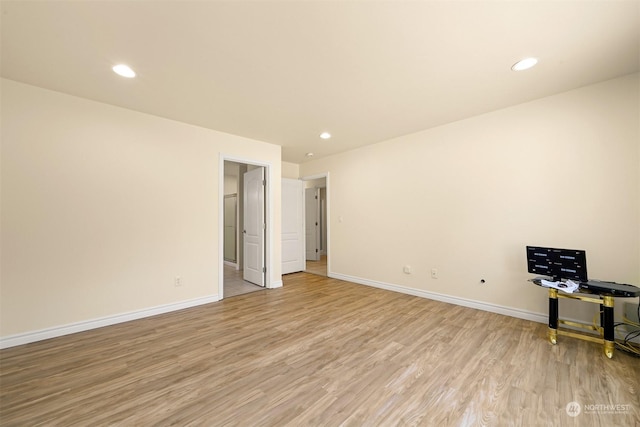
292,226
311,217
254,227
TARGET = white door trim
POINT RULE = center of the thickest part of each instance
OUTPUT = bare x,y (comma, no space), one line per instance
268,170
328,195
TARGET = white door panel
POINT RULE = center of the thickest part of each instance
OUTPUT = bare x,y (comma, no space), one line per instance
292,226
254,227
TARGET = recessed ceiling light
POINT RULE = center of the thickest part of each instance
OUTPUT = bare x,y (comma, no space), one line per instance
525,64
124,71
325,135
309,154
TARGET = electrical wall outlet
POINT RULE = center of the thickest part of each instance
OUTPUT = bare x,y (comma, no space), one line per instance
178,281
434,273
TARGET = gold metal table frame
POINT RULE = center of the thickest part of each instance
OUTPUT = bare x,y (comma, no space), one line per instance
605,330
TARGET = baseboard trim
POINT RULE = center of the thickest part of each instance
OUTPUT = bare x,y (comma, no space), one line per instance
232,264
72,328
493,308
29,337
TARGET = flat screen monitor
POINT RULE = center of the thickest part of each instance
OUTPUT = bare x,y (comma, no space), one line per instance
557,263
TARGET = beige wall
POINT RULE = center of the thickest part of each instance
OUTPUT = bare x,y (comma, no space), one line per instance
231,172
316,183
103,207
466,198
290,170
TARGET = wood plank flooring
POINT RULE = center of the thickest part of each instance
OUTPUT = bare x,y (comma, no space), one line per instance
317,267
317,352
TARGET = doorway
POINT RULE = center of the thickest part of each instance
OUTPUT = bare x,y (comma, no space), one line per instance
292,216
317,224
246,227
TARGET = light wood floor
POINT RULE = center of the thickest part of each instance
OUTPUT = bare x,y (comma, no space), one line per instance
317,267
317,352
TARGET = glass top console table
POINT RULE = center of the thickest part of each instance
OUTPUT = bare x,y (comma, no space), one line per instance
593,291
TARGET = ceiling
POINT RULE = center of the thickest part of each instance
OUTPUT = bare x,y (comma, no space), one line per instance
285,71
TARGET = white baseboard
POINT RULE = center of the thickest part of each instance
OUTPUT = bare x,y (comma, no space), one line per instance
232,264
29,337
72,328
493,308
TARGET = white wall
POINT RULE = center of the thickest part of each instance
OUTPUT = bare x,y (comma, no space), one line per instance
102,207
466,198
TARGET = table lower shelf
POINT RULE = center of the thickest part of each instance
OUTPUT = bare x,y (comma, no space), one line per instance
608,346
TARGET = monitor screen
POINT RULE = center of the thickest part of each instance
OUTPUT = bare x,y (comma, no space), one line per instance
557,263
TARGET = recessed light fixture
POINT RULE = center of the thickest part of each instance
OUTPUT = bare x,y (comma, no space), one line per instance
525,64
124,71
325,135
309,154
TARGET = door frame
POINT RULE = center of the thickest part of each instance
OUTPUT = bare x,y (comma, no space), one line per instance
324,175
269,238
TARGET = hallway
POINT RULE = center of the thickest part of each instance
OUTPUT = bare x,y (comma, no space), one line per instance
234,285
317,267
